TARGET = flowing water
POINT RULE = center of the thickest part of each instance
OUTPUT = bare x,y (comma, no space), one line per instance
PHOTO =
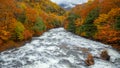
58,48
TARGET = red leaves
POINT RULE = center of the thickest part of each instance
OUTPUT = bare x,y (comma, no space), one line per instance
107,5
27,34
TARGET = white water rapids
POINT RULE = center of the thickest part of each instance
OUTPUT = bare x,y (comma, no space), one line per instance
58,48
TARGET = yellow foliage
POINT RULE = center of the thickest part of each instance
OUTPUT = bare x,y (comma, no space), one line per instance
79,22
83,34
22,5
114,13
4,35
19,16
101,20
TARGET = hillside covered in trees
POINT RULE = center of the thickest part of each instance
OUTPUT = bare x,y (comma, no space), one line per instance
96,19
22,19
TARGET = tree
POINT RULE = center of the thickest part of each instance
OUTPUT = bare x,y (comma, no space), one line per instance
92,16
101,21
56,23
31,15
22,17
27,34
71,26
39,25
108,26
107,5
117,24
88,27
18,32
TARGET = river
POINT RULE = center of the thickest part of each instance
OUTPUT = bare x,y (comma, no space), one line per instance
58,48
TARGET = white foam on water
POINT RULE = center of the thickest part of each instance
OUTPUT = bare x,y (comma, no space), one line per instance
58,48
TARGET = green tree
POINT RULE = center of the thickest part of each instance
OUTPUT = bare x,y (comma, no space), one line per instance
117,24
88,27
71,26
56,23
92,16
22,17
18,34
39,25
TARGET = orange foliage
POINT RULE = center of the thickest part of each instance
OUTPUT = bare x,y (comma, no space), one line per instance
109,11
25,12
1,42
105,24
27,34
31,14
107,5
84,9
66,22
7,18
107,35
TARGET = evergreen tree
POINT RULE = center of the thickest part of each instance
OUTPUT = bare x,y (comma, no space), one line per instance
71,26
88,27
117,24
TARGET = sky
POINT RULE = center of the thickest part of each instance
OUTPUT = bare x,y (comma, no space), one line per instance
69,3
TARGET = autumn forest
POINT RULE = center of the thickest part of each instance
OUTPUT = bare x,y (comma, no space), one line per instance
20,20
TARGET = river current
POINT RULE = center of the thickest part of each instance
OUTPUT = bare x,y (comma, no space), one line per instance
58,48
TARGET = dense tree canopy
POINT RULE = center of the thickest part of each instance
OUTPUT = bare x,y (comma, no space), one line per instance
22,19
99,19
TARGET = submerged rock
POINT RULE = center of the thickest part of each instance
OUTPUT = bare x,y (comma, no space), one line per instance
104,55
90,60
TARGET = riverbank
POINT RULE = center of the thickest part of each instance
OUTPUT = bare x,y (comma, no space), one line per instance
114,45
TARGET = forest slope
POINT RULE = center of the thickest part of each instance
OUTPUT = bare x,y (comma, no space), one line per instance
96,19
22,19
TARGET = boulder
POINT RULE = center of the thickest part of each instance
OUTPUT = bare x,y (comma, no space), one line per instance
104,55
90,60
